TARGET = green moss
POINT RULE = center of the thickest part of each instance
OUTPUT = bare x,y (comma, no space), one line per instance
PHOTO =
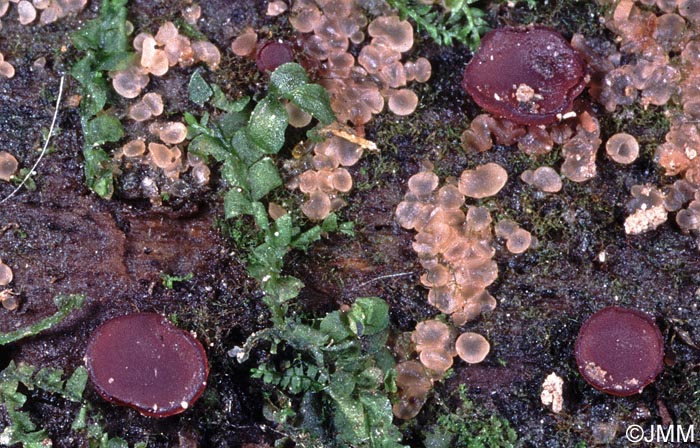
567,16
648,125
457,21
470,426
379,171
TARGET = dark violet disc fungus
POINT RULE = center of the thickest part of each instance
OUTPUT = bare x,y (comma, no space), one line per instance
143,361
528,75
619,351
273,54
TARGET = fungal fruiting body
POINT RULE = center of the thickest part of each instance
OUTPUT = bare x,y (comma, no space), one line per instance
528,75
619,351
142,361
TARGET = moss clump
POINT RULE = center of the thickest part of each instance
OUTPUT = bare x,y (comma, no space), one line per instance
471,426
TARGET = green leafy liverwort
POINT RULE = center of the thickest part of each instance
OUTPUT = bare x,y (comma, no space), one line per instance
342,364
66,304
105,46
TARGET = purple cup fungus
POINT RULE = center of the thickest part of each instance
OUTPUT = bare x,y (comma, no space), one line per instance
142,361
528,75
271,55
619,351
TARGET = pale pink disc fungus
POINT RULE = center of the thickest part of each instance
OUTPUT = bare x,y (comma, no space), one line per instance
305,16
544,178
414,383
528,75
154,60
478,219
208,53
308,181
169,159
154,102
50,14
150,105
276,211
420,70
690,9
505,228
129,83
449,197
26,12
201,174
275,8
317,207
341,180
244,44
8,166
297,117
403,102
5,274
273,54
622,148
134,148
139,112
437,360
9,299
192,13
172,133
143,361
392,32
619,351
431,334
6,69
348,152
519,241
472,347
483,181
423,183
